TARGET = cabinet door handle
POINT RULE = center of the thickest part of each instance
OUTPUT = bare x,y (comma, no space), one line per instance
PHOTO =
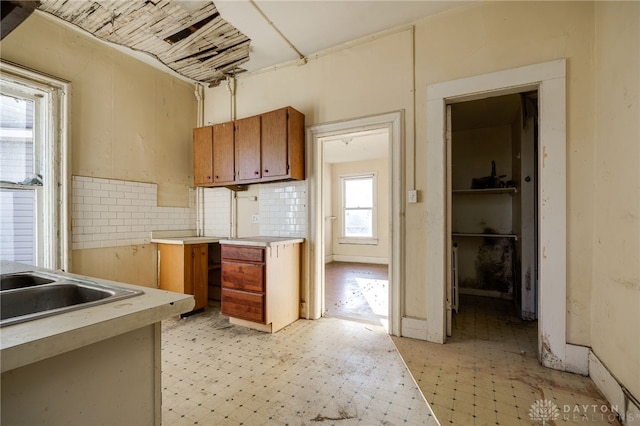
266,171
257,172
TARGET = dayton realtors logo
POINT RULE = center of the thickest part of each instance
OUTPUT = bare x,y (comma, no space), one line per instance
544,410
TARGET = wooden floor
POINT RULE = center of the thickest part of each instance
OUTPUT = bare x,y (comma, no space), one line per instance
357,291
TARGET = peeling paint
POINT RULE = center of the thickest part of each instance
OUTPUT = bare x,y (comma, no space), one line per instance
547,357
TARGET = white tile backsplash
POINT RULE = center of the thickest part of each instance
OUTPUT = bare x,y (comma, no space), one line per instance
109,212
217,212
283,209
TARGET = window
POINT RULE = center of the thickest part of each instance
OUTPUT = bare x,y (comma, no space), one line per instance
33,165
358,209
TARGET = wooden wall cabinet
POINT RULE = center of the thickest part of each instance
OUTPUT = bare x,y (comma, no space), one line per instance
264,148
260,285
183,268
247,152
223,154
282,145
203,156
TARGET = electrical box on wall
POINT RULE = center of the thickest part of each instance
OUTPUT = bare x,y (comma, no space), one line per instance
413,196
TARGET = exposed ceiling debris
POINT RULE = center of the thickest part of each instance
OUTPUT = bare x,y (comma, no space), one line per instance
190,37
206,42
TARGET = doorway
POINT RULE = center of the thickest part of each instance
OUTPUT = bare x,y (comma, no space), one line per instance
549,80
492,187
356,233
314,291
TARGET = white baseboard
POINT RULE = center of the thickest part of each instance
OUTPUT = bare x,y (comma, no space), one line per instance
622,402
360,259
414,328
577,359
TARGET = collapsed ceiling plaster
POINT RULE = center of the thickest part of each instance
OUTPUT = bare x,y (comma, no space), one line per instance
206,42
190,37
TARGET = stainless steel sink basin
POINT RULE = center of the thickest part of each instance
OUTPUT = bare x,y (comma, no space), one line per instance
23,279
26,296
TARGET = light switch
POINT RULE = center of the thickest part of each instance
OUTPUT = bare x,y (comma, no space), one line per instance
413,196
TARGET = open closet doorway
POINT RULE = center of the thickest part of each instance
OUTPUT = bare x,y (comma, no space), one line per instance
493,182
356,211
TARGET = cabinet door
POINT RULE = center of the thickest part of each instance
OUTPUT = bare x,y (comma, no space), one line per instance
203,156
223,153
248,148
171,261
199,274
275,152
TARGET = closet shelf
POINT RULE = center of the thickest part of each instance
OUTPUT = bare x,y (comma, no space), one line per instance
467,234
509,190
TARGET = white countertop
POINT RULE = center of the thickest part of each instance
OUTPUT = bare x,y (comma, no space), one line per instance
186,240
261,241
32,341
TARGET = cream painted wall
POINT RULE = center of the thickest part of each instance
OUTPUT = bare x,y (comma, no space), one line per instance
245,208
376,77
381,168
136,264
128,121
615,304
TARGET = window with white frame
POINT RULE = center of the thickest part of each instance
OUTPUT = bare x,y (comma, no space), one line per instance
358,218
33,168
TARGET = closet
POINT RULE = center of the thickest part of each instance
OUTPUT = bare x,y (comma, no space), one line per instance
493,204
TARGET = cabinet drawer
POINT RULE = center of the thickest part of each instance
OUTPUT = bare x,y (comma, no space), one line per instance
243,305
243,276
251,254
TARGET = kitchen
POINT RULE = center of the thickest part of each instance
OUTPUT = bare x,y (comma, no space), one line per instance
129,123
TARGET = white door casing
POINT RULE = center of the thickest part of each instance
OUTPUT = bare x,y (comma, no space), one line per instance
314,252
549,79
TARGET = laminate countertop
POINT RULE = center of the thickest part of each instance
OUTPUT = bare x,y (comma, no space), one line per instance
261,241
28,342
187,240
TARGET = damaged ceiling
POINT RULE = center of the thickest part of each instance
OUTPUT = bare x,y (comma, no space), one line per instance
205,42
190,37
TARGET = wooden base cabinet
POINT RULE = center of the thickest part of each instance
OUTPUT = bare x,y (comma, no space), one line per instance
261,285
184,269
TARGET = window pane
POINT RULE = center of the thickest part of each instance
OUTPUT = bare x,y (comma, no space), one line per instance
358,223
16,139
358,192
17,225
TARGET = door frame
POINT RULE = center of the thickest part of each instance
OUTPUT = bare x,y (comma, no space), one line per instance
314,256
549,79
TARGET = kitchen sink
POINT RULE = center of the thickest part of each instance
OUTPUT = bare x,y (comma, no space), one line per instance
26,296
24,279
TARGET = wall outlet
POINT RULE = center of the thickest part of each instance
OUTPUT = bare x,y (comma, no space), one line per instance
413,196
255,218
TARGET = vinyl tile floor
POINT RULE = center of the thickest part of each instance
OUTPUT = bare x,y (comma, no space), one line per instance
488,373
326,372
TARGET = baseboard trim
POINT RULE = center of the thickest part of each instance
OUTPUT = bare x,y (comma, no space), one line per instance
414,328
360,259
620,399
577,359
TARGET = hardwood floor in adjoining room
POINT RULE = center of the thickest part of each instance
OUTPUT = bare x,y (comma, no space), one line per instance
358,291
